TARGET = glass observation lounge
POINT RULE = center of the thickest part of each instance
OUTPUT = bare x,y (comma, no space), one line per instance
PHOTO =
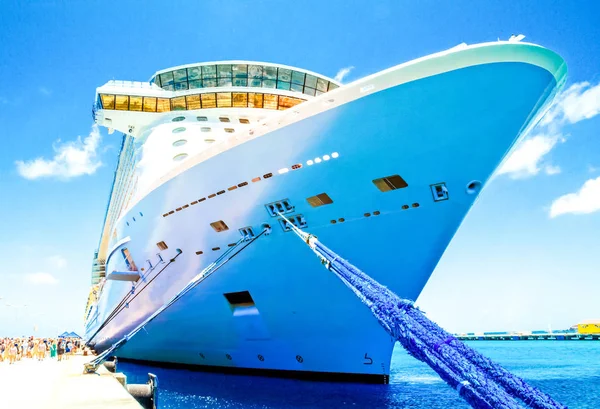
242,75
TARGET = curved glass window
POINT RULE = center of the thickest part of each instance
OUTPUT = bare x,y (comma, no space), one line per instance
198,101
180,157
178,130
243,75
180,142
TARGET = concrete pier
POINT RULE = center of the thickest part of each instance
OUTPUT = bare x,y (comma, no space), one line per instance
29,384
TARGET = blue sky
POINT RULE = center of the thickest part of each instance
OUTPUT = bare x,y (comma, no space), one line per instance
525,258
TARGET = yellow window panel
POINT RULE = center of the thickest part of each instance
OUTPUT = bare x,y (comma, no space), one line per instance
163,105
122,102
224,99
270,101
240,99
149,104
135,103
209,100
193,101
108,101
178,104
288,102
255,100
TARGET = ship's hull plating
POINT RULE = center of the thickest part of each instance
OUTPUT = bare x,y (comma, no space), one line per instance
452,128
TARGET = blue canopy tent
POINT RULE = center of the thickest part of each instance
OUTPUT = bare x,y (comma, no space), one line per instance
73,335
64,335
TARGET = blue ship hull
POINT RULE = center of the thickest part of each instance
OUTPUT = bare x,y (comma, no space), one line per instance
452,127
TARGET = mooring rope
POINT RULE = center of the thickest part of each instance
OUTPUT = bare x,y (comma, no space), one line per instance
478,380
203,275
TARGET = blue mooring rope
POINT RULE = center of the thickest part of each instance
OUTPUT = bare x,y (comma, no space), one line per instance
478,380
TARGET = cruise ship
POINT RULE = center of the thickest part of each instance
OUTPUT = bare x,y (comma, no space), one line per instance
383,170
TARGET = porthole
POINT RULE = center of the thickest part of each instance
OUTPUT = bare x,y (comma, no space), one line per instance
180,142
333,222
209,140
415,205
178,130
224,119
367,214
473,187
202,118
376,213
341,220
180,157
141,214
205,129
244,121
229,130
404,207
335,155
133,218
199,252
178,119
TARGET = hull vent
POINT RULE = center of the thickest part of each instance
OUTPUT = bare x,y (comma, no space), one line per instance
297,220
281,206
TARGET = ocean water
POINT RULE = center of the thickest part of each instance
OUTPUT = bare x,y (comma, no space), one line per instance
568,370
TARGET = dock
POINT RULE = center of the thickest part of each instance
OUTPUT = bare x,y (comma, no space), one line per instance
61,385
528,337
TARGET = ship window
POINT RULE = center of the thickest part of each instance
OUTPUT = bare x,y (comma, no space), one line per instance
224,99
255,82
298,77
195,84
122,102
166,79
224,70
180,142
269,83
209,140
240,99
180,75
255,71
225,82
283,85
163,105
180,157
205,129
267,176
229,130
239,299
332,86
209,71
209,101
219,226
193,101
232,188
256,179
149,104
296,87
178,103
240,82
162,245
128,260
284,74
178,130
321,85
212,195
242,184
244,121
216,248
209,82
220,192
193,74
255,100
181,86
224,119
269,73
199,252
202,118
309,91
178,119
390,183
270,101
108,101
319,200
239,70
311,81
288,102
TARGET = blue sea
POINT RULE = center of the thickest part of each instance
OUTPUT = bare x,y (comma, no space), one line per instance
568,370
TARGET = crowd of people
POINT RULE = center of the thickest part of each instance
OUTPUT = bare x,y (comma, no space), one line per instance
13,350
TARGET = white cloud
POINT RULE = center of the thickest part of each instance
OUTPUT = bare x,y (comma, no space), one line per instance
527,159
552,170
41,278
586,200
341,74
57,261
45,91
580,101
71,159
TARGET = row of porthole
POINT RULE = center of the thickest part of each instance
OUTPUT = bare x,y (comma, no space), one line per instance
203,129
260,357
375,213
240,185
141,214
205,119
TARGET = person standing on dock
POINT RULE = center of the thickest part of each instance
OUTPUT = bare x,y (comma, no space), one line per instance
53,349
60,349
12,353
